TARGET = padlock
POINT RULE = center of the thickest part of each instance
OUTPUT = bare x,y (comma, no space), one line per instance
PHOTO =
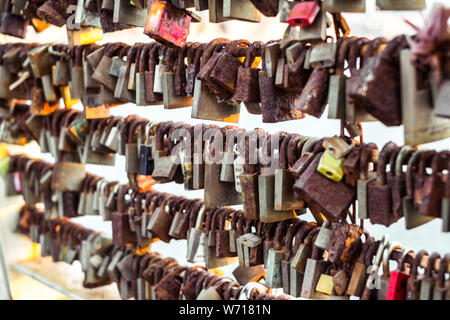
223,235
275,256
365,177
324,236
306,147
339,195
379,203
251,244
125,13
445,206
441,286
432,189
428,281
359,273
218,193
303,14
412,216
401,5
167,24
249,178
91,157
241,10
413,283
420,123
304,239
313,98
266,188
120,221
301,252
170,98
121,90
386,276
440,107
284,181
61,173
313,269
160,221
144,59
211,261
196,239
331,167
288,252
101,71
337,6
398,280
322,55
345,243
376,70
396,179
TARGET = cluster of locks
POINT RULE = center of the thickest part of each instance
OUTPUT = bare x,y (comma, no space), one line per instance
169,21
276,177
320,260
282,80
143,275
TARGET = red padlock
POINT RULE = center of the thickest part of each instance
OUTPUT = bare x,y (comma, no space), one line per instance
303,14
398,281
167,24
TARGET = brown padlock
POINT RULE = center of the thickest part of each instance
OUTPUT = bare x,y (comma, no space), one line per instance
223,235
311,186
161,219
247,86
121,222
428,197
379,202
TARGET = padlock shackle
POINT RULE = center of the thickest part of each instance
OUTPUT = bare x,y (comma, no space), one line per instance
425,161
404,155
365,160
293,151
121,206
284,151
301,234
387,254
355,53
280,232
392,162
383,160
153,55
372,48
197,214
407,254
162,130
143,57
443,265
428,274
416,263
412,168
210,48
344,45
292,231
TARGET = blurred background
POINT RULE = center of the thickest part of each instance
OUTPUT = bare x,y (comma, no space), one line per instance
371,24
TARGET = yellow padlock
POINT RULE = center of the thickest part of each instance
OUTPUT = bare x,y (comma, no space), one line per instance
325,284
65,94
331,167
